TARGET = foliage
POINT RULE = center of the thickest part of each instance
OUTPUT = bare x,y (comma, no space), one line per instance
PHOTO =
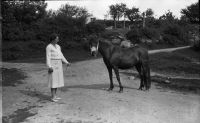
150,33
95,27
191,13
133,14
117,11
168,18
174,34
19,19
109,34
149,13
37,45
29,22
134,35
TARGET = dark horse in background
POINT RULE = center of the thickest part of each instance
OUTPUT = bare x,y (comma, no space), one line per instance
116,57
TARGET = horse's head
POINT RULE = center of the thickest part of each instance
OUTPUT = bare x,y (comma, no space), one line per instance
94,46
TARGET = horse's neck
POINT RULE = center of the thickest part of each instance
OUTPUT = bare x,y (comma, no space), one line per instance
104,48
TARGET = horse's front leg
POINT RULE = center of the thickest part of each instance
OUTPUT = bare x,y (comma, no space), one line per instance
111,79
118,79
109,68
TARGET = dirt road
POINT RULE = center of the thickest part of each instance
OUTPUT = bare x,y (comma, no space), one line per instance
85,99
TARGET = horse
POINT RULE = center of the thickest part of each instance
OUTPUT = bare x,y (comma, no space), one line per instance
116,57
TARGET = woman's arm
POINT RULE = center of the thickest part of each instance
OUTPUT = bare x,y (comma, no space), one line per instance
48,57
62,57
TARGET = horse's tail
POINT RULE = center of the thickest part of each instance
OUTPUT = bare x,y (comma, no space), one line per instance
148,76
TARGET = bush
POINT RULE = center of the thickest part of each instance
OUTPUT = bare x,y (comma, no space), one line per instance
95,27
37,45
170,39
196,46
109,34
9,55
16,47
134,35
150,33
29,35
177,33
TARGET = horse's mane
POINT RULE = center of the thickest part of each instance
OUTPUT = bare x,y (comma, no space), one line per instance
105,41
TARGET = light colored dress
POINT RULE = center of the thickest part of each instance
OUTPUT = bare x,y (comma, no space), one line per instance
54,58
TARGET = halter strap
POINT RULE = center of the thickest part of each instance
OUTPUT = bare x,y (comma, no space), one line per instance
98,46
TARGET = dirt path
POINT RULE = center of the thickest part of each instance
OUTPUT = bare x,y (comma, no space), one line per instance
167,49
85,100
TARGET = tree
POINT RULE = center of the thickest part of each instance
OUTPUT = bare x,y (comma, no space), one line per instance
168,17
123,10
119,11
191,13
149,13
113,13
20,17
73,11
147,17
133,14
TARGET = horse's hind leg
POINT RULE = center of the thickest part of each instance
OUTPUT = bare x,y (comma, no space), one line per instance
148,77
138,67
145,68
118,79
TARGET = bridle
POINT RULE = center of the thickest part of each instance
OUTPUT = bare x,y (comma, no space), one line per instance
95,48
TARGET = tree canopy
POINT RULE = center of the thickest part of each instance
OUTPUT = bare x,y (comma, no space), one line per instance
191,13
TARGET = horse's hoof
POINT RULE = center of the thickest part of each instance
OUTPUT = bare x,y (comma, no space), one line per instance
109,89
120,90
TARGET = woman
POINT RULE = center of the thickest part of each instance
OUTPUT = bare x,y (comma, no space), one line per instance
54,59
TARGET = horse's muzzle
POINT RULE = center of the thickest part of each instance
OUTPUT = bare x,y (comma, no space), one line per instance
93,53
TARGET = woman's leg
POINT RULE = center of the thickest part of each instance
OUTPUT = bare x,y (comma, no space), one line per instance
56,94
53,92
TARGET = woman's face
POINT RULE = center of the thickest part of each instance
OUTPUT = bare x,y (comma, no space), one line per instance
56,40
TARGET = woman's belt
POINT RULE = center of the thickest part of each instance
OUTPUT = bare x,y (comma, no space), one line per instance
55,58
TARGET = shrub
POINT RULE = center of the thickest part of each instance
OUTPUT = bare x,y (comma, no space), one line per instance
16,47
95,27
170,39
37,45
29,35
177,32
109,34
134,35
9,55
150,33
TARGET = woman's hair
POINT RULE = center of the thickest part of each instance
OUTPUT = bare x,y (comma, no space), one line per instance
53,36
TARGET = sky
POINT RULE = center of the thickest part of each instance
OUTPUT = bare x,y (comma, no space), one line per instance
99,8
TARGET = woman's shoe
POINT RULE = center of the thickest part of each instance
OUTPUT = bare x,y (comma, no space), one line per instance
54,100
57,98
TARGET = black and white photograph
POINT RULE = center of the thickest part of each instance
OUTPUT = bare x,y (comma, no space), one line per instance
99,61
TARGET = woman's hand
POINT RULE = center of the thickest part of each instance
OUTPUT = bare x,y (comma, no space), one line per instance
68,64
50,70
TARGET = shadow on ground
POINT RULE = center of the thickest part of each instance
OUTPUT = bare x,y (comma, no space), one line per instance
12,77
94,86
183,85
19,115
178,85
41,96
